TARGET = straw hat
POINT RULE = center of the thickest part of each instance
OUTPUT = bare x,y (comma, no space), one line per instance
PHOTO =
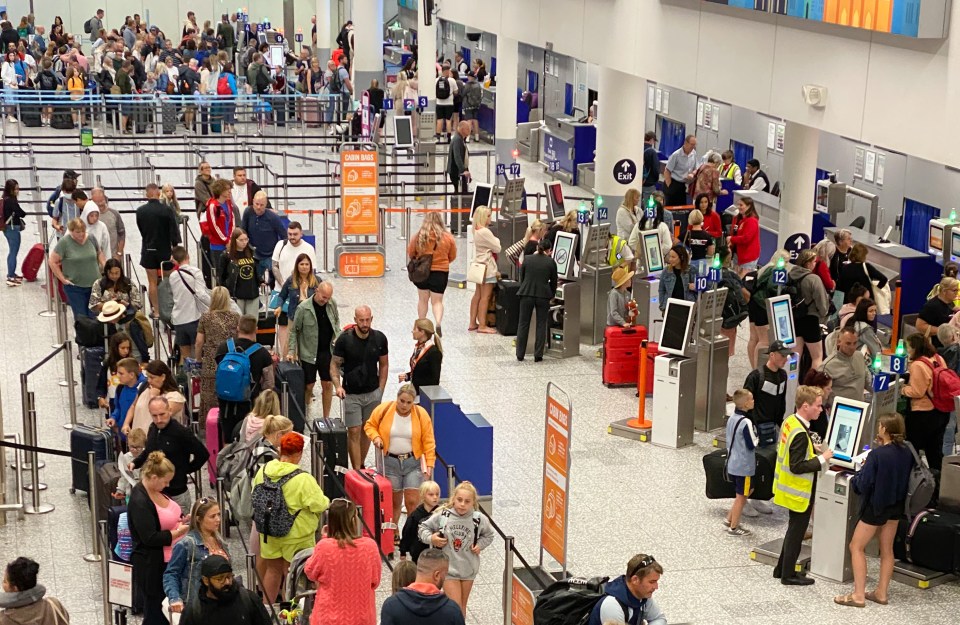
621,276
111,311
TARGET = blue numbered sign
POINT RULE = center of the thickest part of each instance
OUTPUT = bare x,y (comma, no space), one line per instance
298,37
898,364
260,28
422,102
779,276
602,213
554,165
409,105
701,284
279,38
388,104
514,169
583,217
713,275
501,169
881,382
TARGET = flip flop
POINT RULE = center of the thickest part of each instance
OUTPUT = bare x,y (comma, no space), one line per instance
872,596
847,600
486,330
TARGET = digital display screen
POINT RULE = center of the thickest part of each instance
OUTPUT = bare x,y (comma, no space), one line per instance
651,246
955,246
481,196
783,321
676,327
936,238
555,196
845,431
276,56
402,132
563,253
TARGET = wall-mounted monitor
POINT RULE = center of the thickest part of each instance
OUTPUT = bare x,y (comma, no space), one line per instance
847,417
935,237
955,244
554,193
564,254
677,322
652,254
482,194
780,312
402,131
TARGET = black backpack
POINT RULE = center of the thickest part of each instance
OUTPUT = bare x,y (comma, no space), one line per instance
800,305
270,512
47,81
88,27
443,88
570,601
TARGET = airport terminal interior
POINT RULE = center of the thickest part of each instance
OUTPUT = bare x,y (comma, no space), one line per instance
831,133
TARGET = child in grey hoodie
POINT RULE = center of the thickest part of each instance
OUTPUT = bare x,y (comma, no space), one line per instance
462,532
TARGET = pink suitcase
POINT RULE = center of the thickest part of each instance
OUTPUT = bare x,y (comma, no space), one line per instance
213,442
374,494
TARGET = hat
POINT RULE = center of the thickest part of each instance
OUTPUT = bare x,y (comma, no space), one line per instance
780,348
69,173
621,276
111,311
215,565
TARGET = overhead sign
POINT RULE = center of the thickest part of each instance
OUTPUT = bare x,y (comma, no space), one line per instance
359,198
624,171
556,475
796,243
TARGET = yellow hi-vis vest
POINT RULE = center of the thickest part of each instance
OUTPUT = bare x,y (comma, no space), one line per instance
790,490
617,244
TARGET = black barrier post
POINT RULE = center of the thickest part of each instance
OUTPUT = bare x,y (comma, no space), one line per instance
222,500
95,553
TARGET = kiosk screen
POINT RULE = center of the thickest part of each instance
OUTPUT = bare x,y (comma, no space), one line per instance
955,245
563,253
936,238
403,131
481,196
651,247
555,197
845,426
676,327
783,321
276,57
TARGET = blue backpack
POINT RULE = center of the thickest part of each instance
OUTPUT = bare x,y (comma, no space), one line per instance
234,380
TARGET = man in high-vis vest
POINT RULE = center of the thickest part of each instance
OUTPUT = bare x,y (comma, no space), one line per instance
795,479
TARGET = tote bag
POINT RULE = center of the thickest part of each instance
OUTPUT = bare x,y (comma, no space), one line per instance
476,272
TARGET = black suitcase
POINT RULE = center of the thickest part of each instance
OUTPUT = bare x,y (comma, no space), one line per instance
267,330
333,434
108,473
30,116
931,540
62,120
91,362
508,307
761,482
292,374
168,117
83,439
89,332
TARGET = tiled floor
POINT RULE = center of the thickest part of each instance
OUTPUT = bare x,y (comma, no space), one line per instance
626,497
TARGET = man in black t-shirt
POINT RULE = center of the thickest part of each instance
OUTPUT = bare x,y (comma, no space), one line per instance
360,357
651,165
261,373
938,310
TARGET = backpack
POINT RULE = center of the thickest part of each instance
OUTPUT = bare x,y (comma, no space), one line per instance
223,86
53,201
270,512
88,27
233,378
798,303
336,83
920,485
47,81
571,601
944,387
165,301
443,88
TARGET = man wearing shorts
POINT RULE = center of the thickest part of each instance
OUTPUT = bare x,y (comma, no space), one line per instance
312,334
445,108
190,300
159,233
360,356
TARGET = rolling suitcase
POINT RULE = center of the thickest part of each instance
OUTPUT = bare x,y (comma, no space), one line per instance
931,540
62,120
32,263
212,429
373,493
292,374
83,439
267,330
333,434
108,473
508,307
717,486
91,362
621,355
30,116
168,117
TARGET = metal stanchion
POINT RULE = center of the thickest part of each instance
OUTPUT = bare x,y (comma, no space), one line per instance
35,486
451,479
61,310
25,464
157,338
95,552
286,191
405,218
70,384
251,572
284,399
316,453
326,266
105,574
45,241
507,580
224,522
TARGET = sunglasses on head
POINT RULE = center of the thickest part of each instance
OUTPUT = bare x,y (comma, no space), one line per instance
642,565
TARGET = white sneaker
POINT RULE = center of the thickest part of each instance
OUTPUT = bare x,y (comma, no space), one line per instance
763,507
749,510
12,120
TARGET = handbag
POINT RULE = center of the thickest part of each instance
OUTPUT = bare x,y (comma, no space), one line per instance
476,272
881,296
144,323
418,268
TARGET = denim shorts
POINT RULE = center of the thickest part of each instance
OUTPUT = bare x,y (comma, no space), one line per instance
404,475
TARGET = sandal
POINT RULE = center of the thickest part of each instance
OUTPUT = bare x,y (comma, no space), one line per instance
848,600
472,329
872,596
486,330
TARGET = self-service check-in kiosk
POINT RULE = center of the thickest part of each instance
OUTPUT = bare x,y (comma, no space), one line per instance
595,283
563,325
646,283
781,328
713,355
511,224
954,254
675,378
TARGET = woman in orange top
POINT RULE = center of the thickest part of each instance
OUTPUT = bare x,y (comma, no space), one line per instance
404,432
433,238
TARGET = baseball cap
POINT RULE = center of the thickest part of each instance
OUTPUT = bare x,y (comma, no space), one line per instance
215,565
780,348
69,173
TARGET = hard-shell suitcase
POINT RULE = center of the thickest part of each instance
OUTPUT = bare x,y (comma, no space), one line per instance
292,374
333,435
373,493
91,362
621,355
931,540
717,487
267,330
30,115
84,439
168,117
108,473
32,263
950,484
212,430
508,307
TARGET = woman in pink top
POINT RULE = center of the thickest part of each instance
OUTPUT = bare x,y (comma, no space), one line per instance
346,569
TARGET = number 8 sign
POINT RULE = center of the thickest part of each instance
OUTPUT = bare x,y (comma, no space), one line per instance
898,364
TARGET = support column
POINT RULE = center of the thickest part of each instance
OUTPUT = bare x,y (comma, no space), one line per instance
368,44
508,68
426,56
619,136
798,181
323,33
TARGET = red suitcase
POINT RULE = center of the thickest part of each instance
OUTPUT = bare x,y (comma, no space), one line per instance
374,494
621,357
32,263
213,442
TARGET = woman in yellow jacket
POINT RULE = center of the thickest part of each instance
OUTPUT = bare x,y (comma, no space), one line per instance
404,432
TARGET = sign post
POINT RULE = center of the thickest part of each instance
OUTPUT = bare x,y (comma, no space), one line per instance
556,476
362,256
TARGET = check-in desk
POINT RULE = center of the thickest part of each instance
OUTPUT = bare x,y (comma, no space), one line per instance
570,144
917,271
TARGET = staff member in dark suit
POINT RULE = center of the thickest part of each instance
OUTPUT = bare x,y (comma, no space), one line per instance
538,283
458,168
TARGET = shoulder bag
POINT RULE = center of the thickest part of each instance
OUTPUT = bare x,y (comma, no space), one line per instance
476,272
418,267
881,296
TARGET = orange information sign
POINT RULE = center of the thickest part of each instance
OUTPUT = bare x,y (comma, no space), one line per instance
521,607
359,193
556,474
368,264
